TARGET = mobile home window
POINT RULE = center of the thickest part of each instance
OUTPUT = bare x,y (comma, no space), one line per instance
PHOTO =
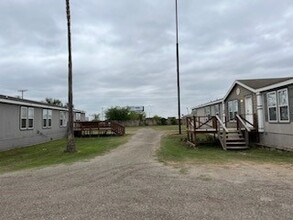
77,116
194,111
62,119
272,106
232,109
31,116
47,118
283,105
217,109
26,118
23,117
207,111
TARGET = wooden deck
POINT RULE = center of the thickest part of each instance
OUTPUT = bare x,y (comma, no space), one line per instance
98,128
204,130
230,138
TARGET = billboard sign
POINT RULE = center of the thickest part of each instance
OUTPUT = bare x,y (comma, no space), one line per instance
136,108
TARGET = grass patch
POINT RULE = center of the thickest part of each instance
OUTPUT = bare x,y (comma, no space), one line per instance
169,129
53,152
174,150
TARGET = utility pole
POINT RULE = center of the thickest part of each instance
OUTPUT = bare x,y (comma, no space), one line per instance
177,60
22,92
71,148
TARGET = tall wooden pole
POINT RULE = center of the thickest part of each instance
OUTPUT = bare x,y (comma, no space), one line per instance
177,60
70,133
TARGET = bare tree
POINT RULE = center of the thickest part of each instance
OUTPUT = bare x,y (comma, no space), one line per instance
70,134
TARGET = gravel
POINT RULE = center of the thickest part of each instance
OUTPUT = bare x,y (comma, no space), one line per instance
129,183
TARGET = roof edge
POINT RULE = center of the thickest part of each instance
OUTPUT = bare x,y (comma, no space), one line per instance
209,103
238,83
35,104
276,85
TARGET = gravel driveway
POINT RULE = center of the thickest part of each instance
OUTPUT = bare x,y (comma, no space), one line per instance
129,183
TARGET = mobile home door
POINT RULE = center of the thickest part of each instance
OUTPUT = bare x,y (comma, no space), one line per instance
248,110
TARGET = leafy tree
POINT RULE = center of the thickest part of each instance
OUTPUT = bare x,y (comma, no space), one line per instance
117,114
123,114
157,119
137,115
52,101
173,121
163,121
96,117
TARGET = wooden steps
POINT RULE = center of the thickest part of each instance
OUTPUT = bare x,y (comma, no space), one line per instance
235,140
231,138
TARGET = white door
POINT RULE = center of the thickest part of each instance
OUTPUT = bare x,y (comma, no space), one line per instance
248,110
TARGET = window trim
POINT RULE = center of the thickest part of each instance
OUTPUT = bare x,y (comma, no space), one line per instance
217,109
207,111
21,118
63,118
279,106
233,102
27,118
77,116
47,118
268,107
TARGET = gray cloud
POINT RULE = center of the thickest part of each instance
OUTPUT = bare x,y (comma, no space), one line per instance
124,51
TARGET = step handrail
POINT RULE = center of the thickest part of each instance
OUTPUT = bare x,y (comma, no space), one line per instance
222,123
247,129
243,123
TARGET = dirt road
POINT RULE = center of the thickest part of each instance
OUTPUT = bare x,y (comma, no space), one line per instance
128,183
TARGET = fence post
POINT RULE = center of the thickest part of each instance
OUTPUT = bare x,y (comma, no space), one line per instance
187,128
194,130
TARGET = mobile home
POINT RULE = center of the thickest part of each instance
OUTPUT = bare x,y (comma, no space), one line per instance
263,107
26,122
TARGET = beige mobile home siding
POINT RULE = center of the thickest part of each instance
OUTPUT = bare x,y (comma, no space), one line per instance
278,135
241,99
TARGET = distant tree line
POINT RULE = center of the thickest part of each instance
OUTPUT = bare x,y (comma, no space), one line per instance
123,114
163,121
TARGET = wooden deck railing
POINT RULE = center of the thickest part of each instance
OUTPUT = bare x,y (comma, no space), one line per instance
203,124
90,127
215,125
200,124
222,132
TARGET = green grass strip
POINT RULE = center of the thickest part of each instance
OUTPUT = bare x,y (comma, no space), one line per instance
53,152
174,150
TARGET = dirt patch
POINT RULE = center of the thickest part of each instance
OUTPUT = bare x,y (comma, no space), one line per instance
239,171
244,172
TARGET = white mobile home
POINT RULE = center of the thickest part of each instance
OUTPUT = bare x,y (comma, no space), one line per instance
26,122
208,109
263,107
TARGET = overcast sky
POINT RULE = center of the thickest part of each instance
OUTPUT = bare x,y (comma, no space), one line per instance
124,50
